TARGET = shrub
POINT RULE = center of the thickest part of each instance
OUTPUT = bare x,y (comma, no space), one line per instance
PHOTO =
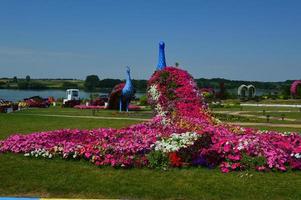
158,160
250,162
143,100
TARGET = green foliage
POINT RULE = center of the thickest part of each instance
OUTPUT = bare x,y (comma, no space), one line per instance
27,78
2,84
250,162
23,85
36,85
69,85
299,91
285,90
91,82
143,100
15,79
140,85
172,85
164,75
158,160
109,83
234,84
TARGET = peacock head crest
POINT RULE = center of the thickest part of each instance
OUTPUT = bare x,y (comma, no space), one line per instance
161,61
128,70
161,45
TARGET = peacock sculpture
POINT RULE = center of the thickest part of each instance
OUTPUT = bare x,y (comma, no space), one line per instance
122,94
127,92
161,62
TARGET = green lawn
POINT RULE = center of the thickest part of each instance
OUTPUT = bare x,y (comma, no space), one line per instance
254,108
280,129
144,114
23,176
17,123
236,114
264,101
291,115
60,178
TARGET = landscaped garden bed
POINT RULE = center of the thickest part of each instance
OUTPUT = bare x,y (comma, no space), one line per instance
182,133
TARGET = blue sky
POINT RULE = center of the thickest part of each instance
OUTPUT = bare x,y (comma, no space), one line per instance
233,39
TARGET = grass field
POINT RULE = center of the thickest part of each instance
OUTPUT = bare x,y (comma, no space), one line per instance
23,176
145,114
290,114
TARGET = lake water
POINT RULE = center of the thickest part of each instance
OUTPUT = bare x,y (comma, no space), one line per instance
17,95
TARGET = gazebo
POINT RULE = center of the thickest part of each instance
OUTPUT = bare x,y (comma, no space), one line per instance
246,91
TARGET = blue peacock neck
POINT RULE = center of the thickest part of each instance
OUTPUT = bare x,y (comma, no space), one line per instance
128,82
161,61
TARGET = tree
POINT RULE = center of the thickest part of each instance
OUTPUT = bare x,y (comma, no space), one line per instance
27,78
140,85
91,82
15,79
109,83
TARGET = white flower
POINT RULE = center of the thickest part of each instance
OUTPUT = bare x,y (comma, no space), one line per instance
298,155
154,93
176,141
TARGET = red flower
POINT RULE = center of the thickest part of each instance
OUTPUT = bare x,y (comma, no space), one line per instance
175,160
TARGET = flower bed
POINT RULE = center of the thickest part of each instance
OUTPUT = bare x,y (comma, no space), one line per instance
182,133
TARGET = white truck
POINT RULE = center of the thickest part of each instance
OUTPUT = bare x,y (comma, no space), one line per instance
72,95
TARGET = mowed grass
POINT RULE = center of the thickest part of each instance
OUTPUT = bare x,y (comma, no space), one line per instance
254,108
279,114
143,114
23,176
18,123
78,179
279,129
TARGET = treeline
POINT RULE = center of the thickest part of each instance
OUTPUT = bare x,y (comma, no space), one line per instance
234,84
94,83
